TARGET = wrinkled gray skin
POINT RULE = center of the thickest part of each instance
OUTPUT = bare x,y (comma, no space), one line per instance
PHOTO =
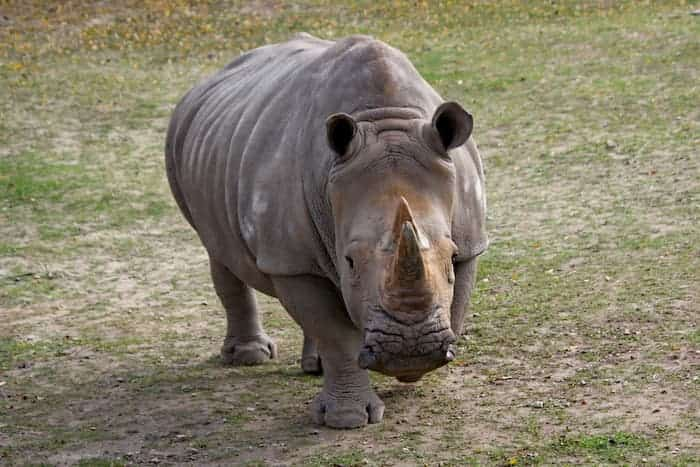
332,176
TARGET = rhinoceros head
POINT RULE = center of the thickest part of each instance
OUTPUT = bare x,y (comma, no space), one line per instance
392,192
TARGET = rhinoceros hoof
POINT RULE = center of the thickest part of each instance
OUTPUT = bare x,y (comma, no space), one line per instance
352,412
239,352
311,364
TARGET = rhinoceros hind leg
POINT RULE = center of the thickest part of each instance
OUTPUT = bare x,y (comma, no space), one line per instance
246,342
310,359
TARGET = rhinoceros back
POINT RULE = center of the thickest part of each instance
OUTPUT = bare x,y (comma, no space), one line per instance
217,126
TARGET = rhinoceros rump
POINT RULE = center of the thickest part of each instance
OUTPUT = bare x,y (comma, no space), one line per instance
332,176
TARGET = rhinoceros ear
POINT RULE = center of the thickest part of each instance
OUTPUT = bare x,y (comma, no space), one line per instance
453,124
340,131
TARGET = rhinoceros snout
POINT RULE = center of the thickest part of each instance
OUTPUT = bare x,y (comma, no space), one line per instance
367,359
407,352
371,360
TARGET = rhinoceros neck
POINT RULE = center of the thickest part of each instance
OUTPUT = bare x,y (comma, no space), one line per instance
321,214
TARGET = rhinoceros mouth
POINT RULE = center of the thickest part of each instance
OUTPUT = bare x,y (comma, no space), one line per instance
404,350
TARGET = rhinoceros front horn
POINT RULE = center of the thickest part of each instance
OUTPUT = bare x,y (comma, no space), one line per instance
408,271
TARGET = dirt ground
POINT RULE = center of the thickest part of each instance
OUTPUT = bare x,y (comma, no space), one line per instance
583,339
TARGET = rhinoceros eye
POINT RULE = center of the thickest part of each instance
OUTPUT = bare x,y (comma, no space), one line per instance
351,263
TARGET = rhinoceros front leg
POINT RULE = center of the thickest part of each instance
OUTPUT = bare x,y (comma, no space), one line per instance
246,342
465,275
310,359
347,400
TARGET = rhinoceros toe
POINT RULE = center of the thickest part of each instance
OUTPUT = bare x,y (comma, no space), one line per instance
310,359
352,412
311,364
255,351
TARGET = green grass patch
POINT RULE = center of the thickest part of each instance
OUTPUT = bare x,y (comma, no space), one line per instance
14,351
100,462
352,457
602,448
31,177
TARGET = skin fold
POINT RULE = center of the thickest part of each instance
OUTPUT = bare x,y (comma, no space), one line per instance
332,176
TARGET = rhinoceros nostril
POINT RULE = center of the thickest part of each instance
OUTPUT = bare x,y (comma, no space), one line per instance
367,358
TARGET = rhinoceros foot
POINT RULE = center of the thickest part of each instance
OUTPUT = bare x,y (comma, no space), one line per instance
311,364
249,351
347,412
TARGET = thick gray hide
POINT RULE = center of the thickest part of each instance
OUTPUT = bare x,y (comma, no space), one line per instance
248,159
248,162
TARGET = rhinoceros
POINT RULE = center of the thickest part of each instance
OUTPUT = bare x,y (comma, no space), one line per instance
330,175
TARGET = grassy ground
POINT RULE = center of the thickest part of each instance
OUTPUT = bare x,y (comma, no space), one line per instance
584,337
